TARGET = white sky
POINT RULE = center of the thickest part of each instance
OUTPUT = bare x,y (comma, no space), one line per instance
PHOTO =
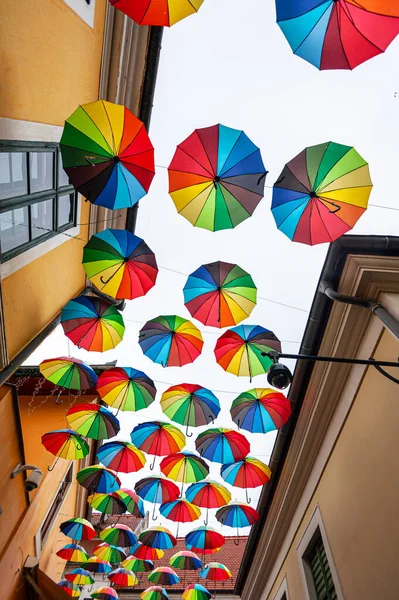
231,64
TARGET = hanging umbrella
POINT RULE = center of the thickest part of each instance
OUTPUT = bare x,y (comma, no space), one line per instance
126,389
337,34
118,535
216,178
208,494
112,554
196,591
171,341
190,405
164,576
180,511
96,565
185,467
138,565
98,479
247,473
123,577
79,577
204,538
68,372
158,438
69,588
93,421
158,537
120,264
155,592
260,410
107,154
222,445
134,504
162,14
107,504
92,323
186,560
144,552
242,350
72,553
220,294
215,572
237,514
78,529
104,593
122,457
321,193
65,443
156,490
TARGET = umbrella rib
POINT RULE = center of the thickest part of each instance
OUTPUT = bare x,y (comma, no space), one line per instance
211,175
110,126
98,129
241,160
314,26
229,154
358,30
206,152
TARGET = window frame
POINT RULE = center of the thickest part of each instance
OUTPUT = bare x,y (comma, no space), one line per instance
29,199
282,592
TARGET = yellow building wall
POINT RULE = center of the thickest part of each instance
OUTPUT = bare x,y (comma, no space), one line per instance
358,495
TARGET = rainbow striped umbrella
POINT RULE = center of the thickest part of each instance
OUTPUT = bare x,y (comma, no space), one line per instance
157,490
204,538
163,14
208,494
107,504
190,405
126,389
247,473
68,372
98,479
144,552
237,514
138,565
78,529
122,457
180,511
171,341
158,537
79,577
155,592
215,572
118,535
186,560
164,576
73,553
69,588
123,577
65,443
260,410
96,565
185,467
93,421
222,445
158,438
134,504
104,593
196,591
112,554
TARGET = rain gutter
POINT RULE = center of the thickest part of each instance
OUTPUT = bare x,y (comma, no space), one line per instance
313,335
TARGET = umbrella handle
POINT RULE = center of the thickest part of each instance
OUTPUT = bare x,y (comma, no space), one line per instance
153,464
188,434
262,177
53,467
154,518
57,400
236,542
249,500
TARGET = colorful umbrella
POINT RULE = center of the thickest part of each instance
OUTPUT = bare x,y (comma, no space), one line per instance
112,554
107,154
204,538
158,537
144,552
216,178
260,410
96,565
92,323
215,572
222,445
321,193
153,12
185,467
171,341
195,591
134,504
69,588
157,490
65,443
107,504
73,553
126,389
78,529
220,294
118,535
186,560
155,592
190,405
93,421
98,479
138,565
164,576
122,457
68,372
120,264
79,577
337,34
247,473
123,577
180,511
158,438
241,350
237,514
104,593
208,494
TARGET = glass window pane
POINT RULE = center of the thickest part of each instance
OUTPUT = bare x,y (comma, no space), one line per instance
14,228
13,178
41,171
62,176
65,209
41,218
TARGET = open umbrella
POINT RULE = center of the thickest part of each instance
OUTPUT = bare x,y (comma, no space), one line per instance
247,473
171,341
243,350
157,490
107,504
118,535
216,177
180,511
260,410
65,443
155,592
79,577
137,565
120,264
107,154
123,577
158,438
134,504
196,591
321,193
69,588
185,466
104,593
190,405
208,494
164,576
126,388
204,538
220,294
98,479
122,457
158,537
78,529
163,14
237,514
144,552
72,553
186,560
222,445
338,34
97,565
112,554
92,421
92,323
215,572
68,372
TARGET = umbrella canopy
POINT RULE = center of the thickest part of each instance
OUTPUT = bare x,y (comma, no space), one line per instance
247,473
68,372
204,538
96,565
65,443
164,576
180,511
185,467
158,438
72,553
220,294
122,457
163,14
215,572
78,529
216,178
120,264
157,489
158,537
321,193
237,514
104,593
208,494
79,577
186,560
171,341
112,554
144,552
123,577
241,350
92,323
107,504
93,421
222,445
134,504
190,405
126,389
196,591
69,588
98,479
137,565
155,592
337,34
107,154
260,410
118,535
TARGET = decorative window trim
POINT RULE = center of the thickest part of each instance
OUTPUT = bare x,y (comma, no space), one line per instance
282,592
85,9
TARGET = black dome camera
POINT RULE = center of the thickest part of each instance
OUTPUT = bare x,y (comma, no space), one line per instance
279,376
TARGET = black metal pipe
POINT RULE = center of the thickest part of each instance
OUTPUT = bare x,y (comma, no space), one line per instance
337,359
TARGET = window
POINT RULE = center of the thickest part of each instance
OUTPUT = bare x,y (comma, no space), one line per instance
36,200
282,592
321,572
